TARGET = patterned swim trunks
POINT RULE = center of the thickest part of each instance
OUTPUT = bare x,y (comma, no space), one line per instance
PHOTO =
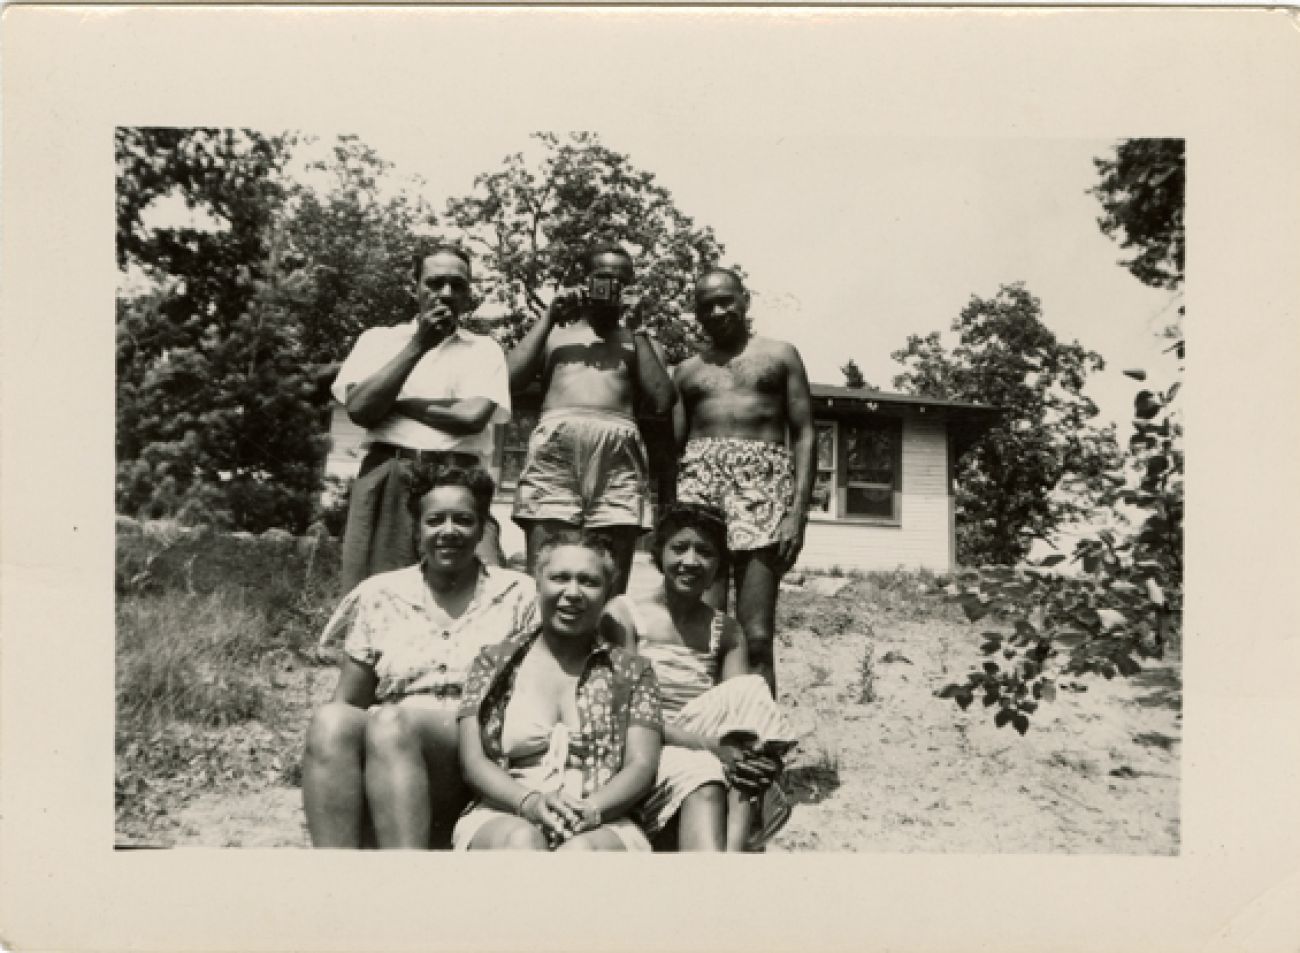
752,481
585,468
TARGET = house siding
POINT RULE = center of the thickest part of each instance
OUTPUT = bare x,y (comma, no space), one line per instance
922,537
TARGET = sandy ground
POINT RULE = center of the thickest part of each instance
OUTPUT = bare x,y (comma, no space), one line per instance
883,765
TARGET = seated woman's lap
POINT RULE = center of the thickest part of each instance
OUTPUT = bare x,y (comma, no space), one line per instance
501,831
602,838
507,832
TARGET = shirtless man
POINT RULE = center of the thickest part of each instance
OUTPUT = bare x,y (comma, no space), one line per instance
741,396
586,462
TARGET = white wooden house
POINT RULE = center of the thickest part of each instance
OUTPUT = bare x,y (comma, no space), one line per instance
884,491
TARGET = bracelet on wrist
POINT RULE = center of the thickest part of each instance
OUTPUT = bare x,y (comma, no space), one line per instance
523,801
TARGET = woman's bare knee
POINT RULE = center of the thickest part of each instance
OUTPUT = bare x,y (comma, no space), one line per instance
336,729
600,839
525,837
508,833
389,731
706,797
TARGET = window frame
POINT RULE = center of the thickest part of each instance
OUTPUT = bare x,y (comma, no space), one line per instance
506,489
840,484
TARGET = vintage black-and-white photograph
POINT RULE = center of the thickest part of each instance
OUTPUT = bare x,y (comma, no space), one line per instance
838,435
574,488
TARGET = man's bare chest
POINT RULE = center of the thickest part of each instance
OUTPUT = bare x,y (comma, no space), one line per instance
574,350
748,375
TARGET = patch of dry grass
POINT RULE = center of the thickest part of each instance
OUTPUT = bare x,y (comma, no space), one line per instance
211,655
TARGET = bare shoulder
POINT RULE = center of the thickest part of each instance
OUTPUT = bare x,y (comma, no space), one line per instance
786,352
617,625
687,367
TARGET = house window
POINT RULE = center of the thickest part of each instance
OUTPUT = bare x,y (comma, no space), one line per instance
859,466
514,446
823,496
870,468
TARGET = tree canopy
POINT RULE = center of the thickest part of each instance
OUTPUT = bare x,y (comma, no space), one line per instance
220,358
853,375
1043,464
214,421
1142,198
354,236
529,222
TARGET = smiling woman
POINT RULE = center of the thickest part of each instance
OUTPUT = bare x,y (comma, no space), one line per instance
559,732
381,756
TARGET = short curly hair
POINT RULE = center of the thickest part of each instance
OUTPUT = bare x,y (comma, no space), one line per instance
426,477
592,540
428,249
706,520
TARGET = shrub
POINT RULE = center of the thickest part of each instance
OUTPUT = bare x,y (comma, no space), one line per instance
1125,607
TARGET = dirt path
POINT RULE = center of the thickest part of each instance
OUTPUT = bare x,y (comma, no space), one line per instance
896,770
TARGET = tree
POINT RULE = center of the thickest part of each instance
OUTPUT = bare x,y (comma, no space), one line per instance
853,376
1126,604
530,222
355,239
1142,197
215,413
1043,465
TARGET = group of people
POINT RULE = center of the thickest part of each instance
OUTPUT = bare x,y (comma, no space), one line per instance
486,708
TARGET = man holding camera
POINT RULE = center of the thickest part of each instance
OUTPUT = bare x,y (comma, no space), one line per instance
749,447
426,392
587,464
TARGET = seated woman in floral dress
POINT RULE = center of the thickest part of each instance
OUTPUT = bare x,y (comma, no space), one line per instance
381,757
724,735
559,731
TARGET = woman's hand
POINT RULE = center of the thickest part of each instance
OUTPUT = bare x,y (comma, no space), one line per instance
755,772
556,815
731,755
747,768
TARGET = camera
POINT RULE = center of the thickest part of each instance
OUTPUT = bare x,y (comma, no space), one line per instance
604,290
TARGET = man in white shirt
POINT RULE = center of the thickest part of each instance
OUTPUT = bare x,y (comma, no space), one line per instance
426,392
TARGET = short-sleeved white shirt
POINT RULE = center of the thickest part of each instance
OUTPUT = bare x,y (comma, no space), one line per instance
463,365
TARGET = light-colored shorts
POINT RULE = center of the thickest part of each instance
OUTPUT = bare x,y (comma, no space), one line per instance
585,468
751,481
740,704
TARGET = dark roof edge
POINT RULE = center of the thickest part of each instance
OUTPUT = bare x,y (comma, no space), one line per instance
865,395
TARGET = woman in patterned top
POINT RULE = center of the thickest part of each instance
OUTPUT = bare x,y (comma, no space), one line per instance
560,732
724,736
383,751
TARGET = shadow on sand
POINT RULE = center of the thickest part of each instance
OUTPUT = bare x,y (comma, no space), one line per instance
811,783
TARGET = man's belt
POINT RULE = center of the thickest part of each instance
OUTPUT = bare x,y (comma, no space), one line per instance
452,458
